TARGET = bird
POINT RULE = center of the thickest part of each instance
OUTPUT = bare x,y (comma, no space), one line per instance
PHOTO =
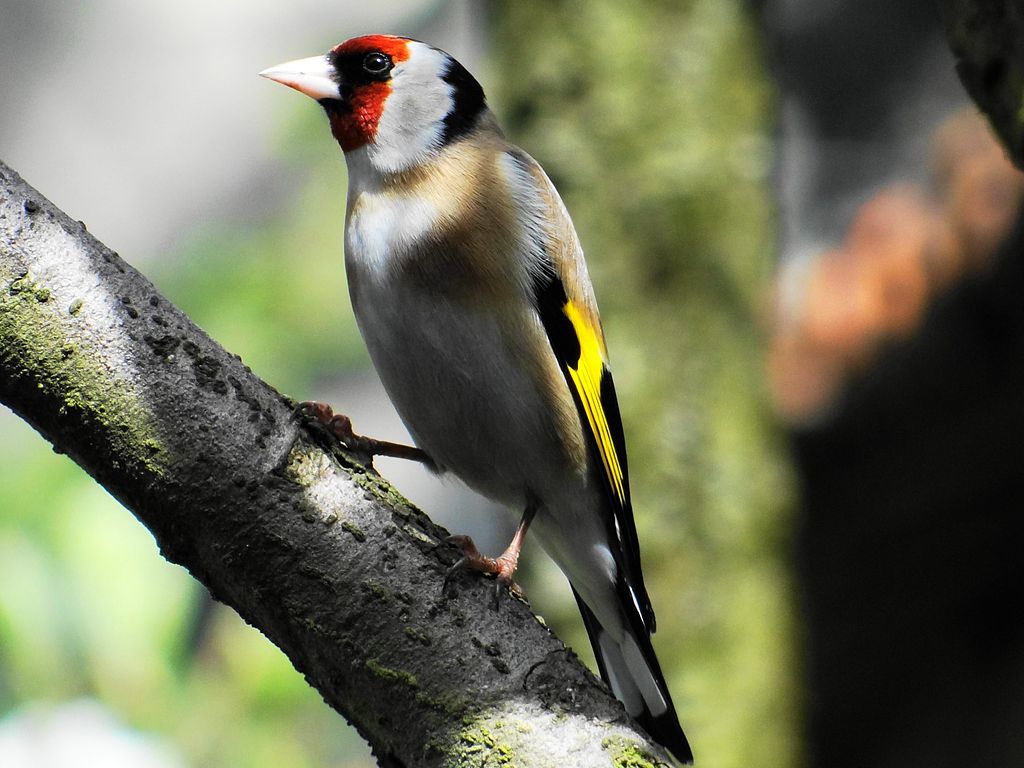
469,287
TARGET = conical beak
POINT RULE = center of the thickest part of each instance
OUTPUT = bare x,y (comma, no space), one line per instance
313,76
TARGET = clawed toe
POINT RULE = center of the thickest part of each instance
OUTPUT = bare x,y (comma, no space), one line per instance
457,566
339,426
503,568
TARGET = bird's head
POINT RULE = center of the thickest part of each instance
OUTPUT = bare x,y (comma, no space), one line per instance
398,99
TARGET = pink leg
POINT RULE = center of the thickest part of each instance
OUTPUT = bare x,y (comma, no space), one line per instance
503,566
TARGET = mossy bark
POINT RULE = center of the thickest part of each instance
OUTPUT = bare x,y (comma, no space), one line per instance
310,546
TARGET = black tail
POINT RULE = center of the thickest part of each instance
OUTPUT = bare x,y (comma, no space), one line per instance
632,671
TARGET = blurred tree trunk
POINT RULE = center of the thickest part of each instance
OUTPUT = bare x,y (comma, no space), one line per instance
910,535
654,120
910,543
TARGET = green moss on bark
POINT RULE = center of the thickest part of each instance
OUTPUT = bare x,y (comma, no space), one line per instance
629,754
391,674
479,746
37,343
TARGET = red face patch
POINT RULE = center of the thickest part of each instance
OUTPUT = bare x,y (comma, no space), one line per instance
395,47
355,125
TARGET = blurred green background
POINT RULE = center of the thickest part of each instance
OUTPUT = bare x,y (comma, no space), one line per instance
654,120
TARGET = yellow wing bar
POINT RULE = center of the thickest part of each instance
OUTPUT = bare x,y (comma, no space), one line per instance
586,376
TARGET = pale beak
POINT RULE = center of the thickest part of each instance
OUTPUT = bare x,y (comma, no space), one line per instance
313,76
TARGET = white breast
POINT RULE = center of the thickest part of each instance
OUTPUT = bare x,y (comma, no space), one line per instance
381,227
384,227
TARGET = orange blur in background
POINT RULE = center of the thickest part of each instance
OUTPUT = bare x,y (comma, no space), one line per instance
904,247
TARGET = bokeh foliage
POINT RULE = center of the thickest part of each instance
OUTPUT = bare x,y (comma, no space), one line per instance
88,608
654,121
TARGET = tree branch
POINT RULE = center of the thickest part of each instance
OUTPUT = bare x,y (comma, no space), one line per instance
310,546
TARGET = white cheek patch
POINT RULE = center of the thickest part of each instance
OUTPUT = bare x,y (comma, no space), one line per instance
413,119
383,227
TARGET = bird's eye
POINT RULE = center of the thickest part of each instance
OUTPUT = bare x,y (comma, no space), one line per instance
376,63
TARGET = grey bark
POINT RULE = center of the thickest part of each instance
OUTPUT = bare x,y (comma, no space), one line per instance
306,542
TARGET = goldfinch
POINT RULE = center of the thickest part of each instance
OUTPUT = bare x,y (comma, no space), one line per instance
470,290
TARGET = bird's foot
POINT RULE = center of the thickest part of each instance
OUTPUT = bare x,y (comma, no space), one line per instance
502,567
339,426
